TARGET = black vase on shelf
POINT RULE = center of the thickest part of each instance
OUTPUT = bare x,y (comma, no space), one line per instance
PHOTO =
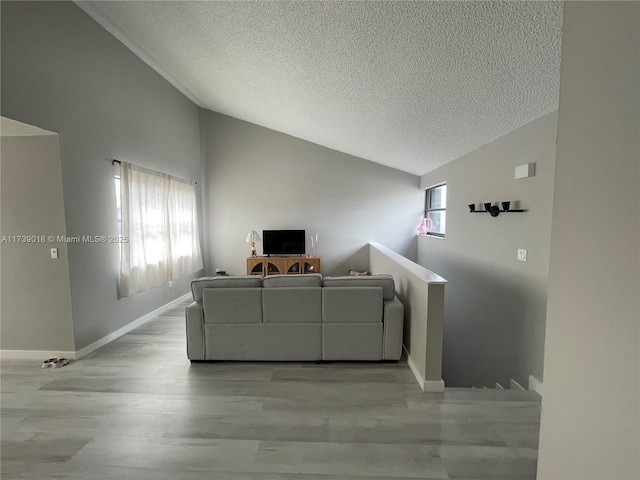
505,206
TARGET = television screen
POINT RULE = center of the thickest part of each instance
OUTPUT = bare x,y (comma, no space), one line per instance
283,242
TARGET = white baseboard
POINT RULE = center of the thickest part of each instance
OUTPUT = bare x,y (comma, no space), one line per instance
425,385
433,386
513,385
75,355
40,355
414,369
535,385
127,328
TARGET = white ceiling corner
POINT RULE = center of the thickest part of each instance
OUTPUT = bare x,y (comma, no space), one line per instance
411,85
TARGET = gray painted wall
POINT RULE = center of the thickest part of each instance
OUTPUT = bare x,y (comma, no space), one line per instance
61,71
591,412
35,293
258,178
495,306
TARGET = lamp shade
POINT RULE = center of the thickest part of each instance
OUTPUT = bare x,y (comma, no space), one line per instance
253,236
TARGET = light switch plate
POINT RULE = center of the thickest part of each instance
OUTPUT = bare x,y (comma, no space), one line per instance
54,253
522,255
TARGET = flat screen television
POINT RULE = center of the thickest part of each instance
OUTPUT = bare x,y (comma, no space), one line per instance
283,242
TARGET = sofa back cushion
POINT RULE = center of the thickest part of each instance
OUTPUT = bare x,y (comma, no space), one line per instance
383,281
246,281
296,281
292,305
232,305
352,305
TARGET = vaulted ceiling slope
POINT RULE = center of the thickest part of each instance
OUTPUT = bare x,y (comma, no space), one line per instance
408,84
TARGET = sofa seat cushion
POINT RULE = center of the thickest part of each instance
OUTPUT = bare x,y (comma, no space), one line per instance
232,305
383,281
303,280
245,281
352,305
292,305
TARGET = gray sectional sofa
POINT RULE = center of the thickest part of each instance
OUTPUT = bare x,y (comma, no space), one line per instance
294,318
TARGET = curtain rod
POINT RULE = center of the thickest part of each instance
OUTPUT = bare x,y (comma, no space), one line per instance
114,161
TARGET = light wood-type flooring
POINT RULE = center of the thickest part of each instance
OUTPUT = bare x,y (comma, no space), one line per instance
138,409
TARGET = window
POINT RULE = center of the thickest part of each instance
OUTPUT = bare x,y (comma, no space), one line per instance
435,213
157,219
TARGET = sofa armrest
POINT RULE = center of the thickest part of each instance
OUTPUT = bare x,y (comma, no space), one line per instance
393,325
195,331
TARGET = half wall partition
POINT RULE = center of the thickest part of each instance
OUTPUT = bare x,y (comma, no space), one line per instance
422,293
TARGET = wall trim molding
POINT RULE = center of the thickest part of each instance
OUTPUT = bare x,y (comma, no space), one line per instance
140,52
127,328
42,355
425,385
413,368
433,386
535,385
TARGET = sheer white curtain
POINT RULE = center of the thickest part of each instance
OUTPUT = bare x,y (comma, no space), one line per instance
159,219
184,243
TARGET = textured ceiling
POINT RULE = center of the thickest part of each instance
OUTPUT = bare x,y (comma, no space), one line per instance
411,85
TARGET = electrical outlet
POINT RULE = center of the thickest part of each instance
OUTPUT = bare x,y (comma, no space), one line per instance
54,253
522,255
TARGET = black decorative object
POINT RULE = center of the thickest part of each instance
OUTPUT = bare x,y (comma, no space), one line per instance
494,210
